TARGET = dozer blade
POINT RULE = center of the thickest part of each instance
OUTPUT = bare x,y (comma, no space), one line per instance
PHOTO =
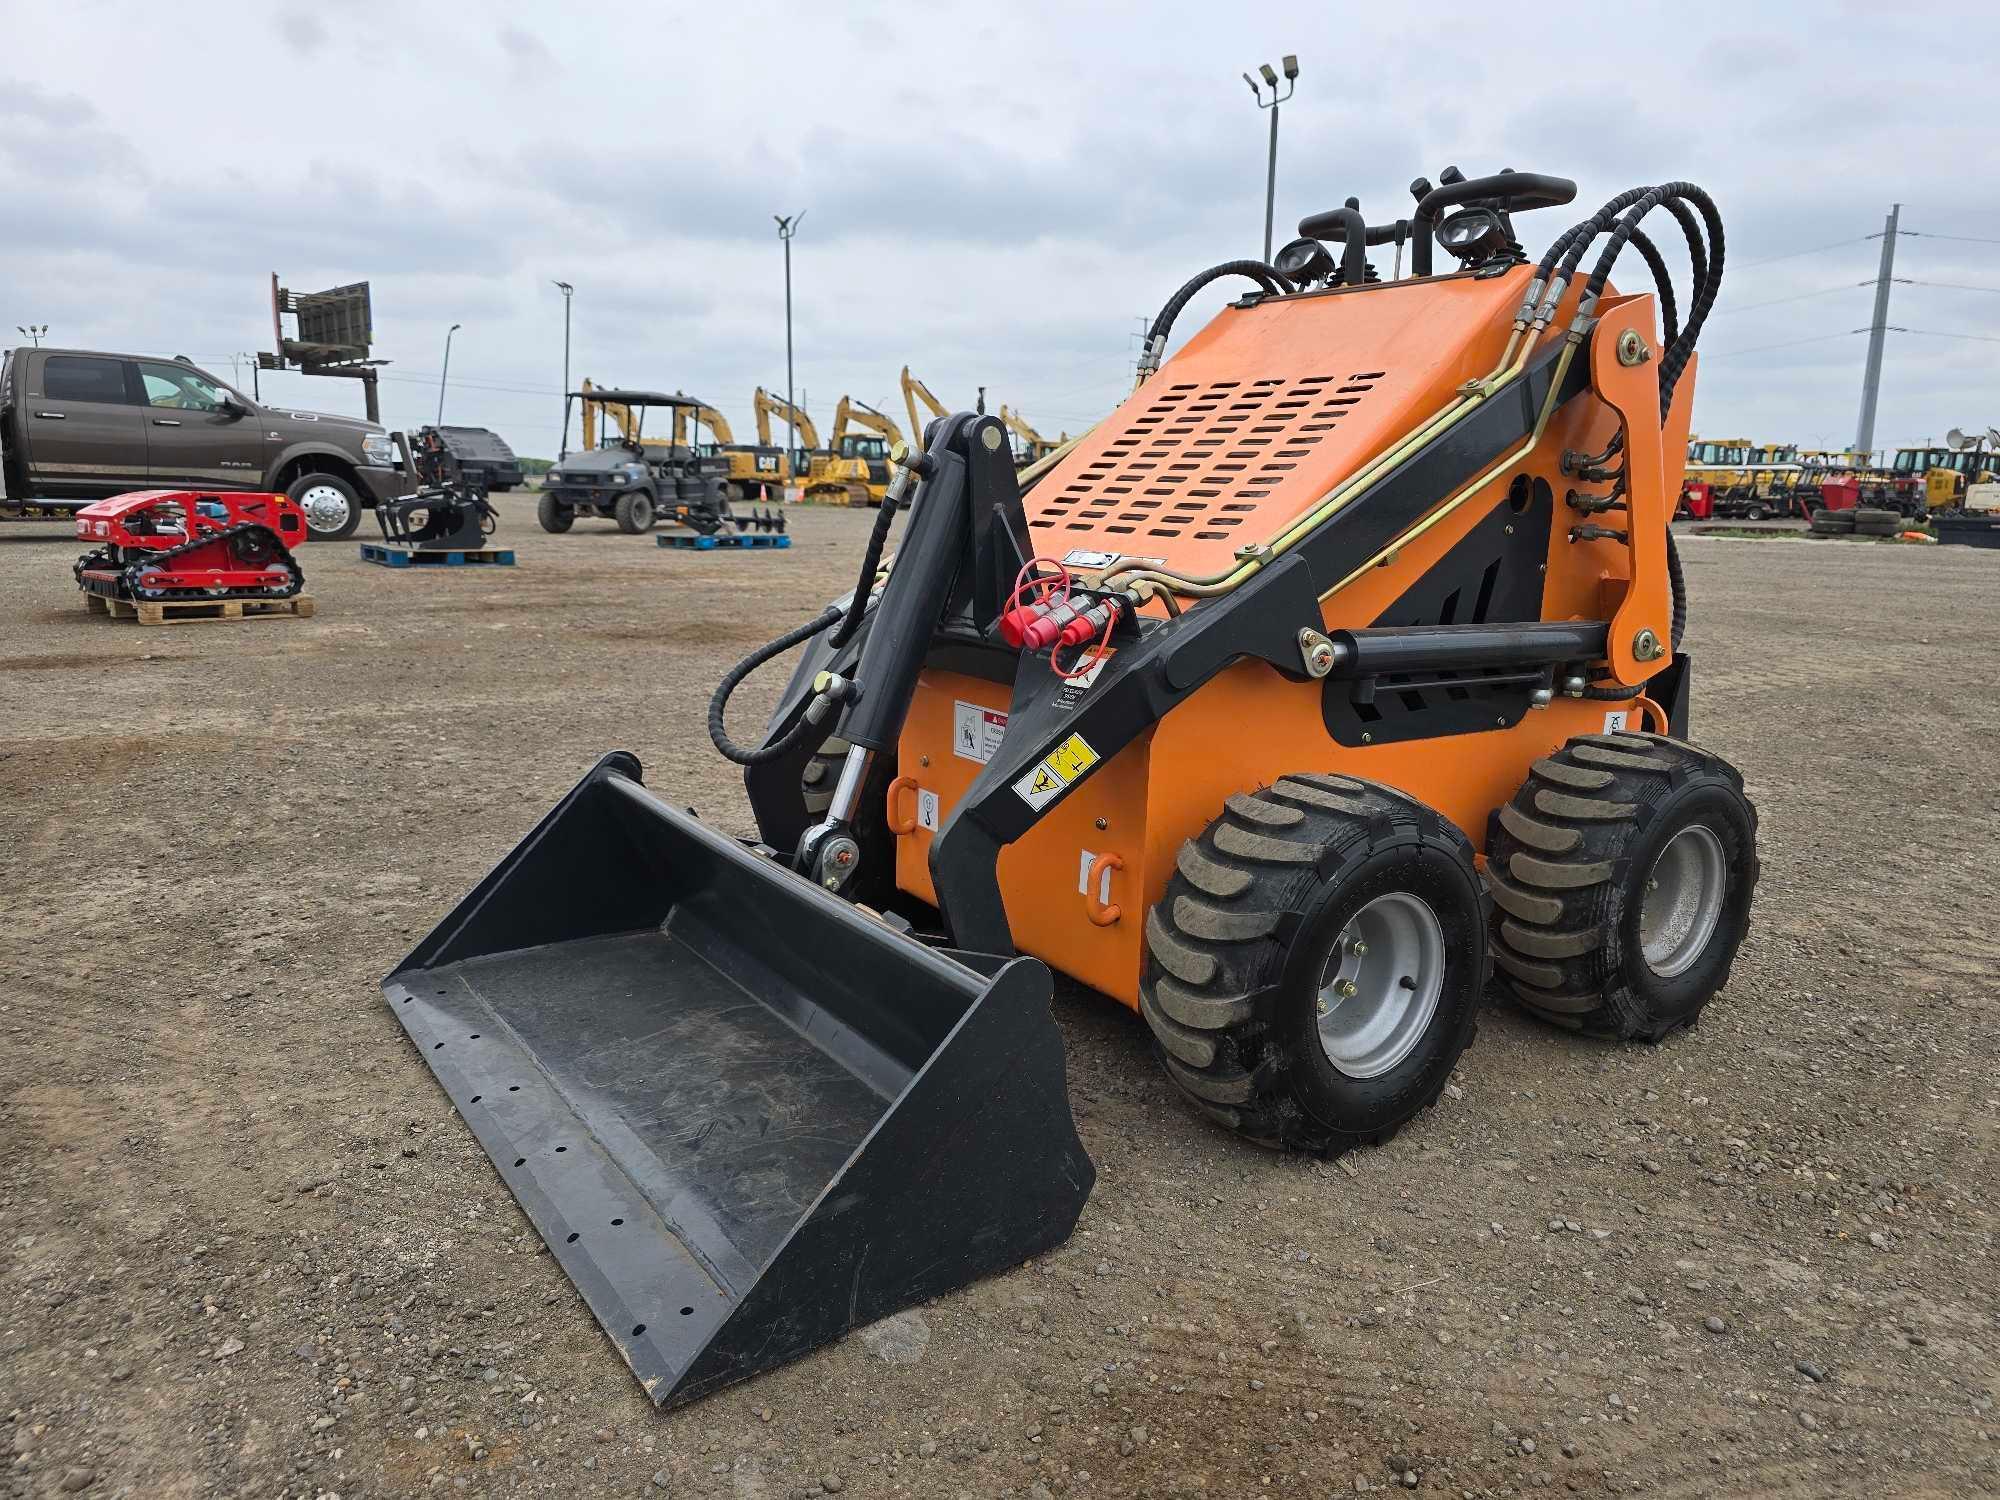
745,1115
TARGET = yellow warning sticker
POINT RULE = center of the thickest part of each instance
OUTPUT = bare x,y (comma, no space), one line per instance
1071,758
1063,765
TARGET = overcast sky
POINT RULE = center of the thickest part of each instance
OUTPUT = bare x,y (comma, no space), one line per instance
995,195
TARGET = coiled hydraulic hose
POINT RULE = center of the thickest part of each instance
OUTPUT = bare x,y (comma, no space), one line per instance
1156,336
845,622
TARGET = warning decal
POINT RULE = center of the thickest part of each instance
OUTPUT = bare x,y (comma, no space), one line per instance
976,732
1063,765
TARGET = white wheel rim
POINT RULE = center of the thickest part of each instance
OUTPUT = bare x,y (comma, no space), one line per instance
1683,901
326,508
1381,985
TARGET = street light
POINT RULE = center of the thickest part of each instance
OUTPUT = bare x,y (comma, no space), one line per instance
1291,65
568,292
445,374
788,225
35,331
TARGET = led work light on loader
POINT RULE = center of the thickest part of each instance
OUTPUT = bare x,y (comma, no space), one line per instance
1335,673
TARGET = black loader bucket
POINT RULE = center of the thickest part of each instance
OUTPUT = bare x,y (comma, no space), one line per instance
745,1115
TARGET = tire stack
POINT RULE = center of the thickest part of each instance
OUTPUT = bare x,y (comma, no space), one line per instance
1869,521
1833,523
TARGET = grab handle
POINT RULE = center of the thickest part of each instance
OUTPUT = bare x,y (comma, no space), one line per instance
900,825
1102,913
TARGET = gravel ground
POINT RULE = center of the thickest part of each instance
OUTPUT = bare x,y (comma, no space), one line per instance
249,1251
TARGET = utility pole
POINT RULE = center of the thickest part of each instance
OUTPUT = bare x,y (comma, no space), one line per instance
445,373
1291,65
788,225
1878,332
568,292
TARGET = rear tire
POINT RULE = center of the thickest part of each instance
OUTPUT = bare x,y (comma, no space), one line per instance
1260,927
1623,871
633,512
554,515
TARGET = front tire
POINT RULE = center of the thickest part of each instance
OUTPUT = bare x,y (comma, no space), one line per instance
1623,871
554,515
1315,967
332,506
633,512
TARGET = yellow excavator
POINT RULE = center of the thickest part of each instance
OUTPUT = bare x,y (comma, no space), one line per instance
621,418
914,390
756,471
1029,446
800,460
855,468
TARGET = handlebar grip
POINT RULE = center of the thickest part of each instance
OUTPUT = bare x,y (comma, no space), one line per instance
1517,191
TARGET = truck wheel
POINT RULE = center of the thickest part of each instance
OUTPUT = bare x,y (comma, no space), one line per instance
1623,870
1314,970
554,515
332,506
633,512
1756,512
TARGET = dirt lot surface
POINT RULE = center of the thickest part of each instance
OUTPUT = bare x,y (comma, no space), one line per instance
248,1250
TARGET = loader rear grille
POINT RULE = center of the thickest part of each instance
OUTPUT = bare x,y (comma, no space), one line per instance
1198,459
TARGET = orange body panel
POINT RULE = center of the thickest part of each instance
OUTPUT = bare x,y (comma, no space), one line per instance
1253,422
1264,411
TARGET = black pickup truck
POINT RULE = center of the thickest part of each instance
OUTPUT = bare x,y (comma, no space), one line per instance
77,425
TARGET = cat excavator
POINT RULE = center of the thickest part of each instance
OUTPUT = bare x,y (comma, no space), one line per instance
756,471
855,469
798,462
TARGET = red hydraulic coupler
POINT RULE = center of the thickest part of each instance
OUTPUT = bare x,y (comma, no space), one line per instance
1091,622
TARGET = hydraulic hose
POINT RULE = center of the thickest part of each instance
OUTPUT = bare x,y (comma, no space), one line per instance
747,755
845,623
1156,336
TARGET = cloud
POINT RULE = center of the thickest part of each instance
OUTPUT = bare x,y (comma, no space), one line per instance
302,31
996,201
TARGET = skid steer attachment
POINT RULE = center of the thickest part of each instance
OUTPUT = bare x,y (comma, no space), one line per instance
745,1115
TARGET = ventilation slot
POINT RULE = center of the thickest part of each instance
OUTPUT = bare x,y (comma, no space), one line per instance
1225,445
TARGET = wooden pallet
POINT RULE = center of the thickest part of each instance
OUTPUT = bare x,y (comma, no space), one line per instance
175,611
744,541
414,557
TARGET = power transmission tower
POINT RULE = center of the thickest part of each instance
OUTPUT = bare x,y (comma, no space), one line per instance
1878,332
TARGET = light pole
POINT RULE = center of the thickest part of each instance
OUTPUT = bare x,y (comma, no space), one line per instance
445,373
788,225
35,331
568,292
1291,66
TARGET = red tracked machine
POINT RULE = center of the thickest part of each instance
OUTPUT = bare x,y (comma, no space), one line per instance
155,545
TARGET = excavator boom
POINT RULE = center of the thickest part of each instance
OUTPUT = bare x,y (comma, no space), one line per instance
914,390
769,406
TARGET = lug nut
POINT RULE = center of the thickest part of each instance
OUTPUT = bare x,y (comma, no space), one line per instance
1347,989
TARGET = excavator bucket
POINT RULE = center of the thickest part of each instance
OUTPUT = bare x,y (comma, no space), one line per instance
745,1115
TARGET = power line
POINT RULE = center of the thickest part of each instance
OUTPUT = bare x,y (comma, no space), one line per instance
1744,265
1932,333
1964,239
1795,297
1950,286
1788,344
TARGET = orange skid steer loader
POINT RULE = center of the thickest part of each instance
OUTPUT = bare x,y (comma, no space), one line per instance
1335,673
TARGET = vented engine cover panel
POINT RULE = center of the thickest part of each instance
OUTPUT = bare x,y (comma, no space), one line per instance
1264,411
